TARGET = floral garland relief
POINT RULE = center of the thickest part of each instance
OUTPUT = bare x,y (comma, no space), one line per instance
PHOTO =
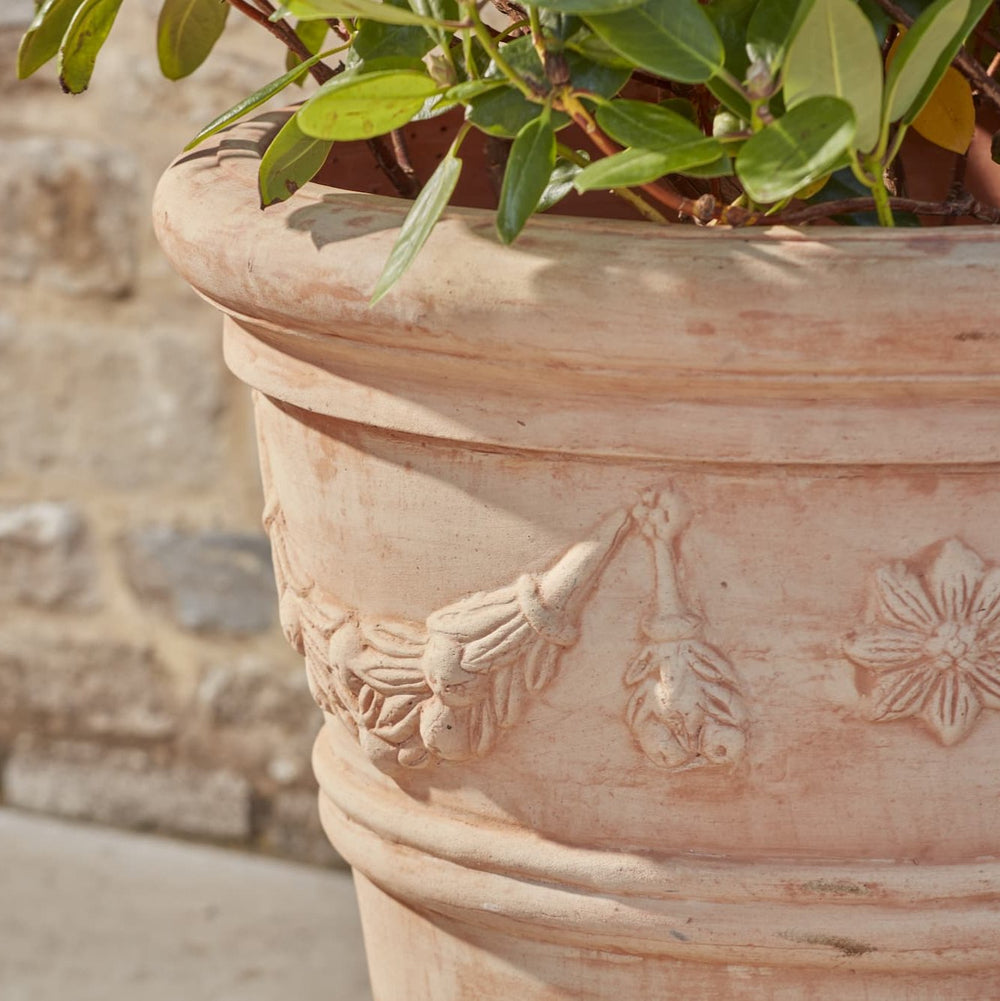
446,688
934,653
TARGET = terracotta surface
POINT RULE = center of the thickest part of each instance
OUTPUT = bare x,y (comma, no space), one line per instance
651,589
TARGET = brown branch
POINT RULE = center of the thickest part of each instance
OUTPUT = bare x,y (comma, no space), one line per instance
284,33
964,206
963,62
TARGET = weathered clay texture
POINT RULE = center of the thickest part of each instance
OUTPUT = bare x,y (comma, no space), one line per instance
585,545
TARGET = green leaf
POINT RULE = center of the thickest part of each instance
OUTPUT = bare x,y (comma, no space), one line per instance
504,112
312,10
729,97
730,18
186,32
799,148
588,45
559,186
642,166
673,38
87,32
723,167
257,98
529,168
378,40
468,90
366,105
910,75
651,126
772,26
311,34
835,53
419,222
292,159
590,6
44,35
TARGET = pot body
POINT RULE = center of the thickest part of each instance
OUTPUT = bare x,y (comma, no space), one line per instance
649,582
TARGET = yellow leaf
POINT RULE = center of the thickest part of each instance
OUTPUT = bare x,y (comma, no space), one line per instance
948,119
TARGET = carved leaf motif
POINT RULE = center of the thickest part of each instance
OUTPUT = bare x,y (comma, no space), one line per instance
903,600
885,650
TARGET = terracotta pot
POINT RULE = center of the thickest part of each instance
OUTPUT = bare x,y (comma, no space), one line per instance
650,581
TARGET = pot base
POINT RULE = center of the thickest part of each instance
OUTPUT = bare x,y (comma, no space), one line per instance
415,956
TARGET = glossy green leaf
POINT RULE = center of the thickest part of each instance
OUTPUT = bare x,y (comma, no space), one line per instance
590,6
419,222
311,34
365,105
87,32
504,112
292,159
799,148
44,35
772,26
673,38
257,98
642,166
909,77
529,168
312,10
729,97
835,53
559,186
468,90
730,18
186,32
590,46
723,167
651,126
378,40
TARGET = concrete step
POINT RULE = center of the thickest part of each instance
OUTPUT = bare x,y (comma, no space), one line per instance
89,914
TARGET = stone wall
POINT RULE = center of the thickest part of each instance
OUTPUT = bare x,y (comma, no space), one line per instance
143,679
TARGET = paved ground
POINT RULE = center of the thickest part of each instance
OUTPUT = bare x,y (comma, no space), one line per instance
88,914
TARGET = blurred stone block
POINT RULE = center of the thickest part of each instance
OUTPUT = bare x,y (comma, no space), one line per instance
126,788
69,213
66,688
206,581
135,410
45,556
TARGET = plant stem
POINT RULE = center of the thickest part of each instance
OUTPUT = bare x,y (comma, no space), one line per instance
486,40
625,194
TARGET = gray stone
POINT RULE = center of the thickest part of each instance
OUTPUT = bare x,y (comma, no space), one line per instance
137,409
207,581
290,827
126,788
69,212
45,557
85,689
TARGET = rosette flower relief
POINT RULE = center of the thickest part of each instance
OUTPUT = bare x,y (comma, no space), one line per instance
935,653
